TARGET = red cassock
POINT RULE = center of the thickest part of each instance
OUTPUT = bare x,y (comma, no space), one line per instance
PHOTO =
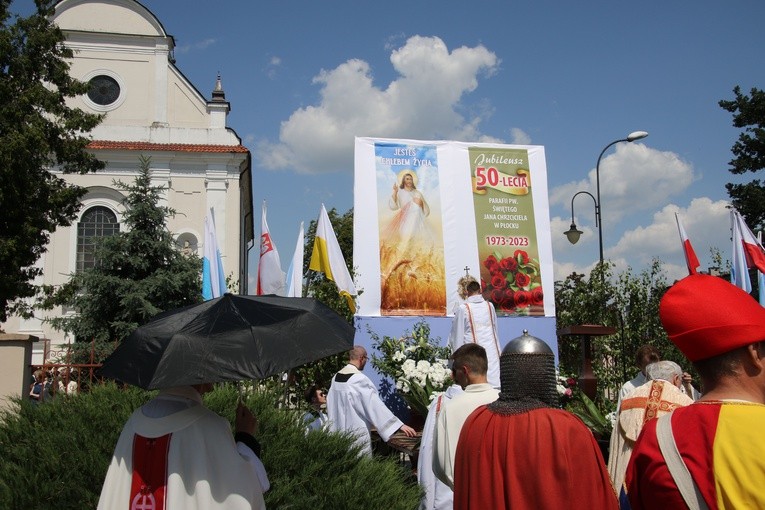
545,458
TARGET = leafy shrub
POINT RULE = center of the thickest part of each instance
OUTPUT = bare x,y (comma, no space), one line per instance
55,455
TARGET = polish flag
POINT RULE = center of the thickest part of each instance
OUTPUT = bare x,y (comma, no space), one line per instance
690,256
755,254
270,274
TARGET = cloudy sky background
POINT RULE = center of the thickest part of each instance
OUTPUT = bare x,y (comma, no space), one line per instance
304,78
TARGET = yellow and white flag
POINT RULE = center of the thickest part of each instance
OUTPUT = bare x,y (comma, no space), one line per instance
328,259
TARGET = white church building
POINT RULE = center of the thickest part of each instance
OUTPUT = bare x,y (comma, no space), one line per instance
122,50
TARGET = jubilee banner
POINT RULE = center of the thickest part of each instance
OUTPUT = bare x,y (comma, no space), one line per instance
426,213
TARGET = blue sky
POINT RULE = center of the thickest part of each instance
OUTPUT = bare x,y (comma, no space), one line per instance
304,78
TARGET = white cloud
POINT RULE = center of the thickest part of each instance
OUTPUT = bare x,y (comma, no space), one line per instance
199,45
423,102
632,179
561,270
519,137
274,64
707,224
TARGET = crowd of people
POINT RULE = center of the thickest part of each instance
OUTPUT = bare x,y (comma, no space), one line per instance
510,447
46,384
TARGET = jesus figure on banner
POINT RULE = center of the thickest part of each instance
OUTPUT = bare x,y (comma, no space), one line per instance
408,226
409,258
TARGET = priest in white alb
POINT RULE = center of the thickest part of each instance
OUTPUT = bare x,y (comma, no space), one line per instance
475,321
175,454
353,405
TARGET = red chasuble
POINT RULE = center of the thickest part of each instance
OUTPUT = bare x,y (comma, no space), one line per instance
723,446
541,459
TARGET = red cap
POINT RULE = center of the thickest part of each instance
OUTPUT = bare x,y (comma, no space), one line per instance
705,316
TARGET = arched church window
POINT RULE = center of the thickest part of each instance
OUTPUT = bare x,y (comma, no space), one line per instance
96,223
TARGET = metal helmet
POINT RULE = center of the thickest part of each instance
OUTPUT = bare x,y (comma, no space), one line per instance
527,375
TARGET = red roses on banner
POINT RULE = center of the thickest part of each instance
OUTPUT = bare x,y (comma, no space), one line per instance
514,283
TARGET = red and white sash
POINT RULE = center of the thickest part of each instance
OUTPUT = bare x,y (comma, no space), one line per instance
493,327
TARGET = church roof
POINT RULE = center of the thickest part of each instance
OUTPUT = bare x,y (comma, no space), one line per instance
172,147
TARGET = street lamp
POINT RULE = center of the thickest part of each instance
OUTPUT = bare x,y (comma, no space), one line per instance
573,233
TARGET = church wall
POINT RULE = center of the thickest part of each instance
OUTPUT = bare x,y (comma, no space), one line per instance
116,17
157,104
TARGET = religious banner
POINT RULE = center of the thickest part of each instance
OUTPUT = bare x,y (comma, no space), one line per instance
412,279
505,230
426,213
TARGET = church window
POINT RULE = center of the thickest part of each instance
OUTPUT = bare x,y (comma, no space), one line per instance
104,90
96,223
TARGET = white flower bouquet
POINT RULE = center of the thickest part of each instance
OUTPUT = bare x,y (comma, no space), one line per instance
416,363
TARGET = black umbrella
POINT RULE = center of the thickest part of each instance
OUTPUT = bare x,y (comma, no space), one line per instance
230,338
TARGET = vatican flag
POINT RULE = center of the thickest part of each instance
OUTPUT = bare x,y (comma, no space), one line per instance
328,259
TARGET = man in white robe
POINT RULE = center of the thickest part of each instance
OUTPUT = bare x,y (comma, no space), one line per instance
475,321
354,406
175,454
469,371
661,394
438,495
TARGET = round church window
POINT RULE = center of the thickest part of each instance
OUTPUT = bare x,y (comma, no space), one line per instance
104,90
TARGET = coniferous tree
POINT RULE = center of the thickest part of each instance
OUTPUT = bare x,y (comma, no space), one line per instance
749,151
139,271
38,131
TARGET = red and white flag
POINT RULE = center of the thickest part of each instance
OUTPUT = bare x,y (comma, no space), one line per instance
270,274
753,250
690,256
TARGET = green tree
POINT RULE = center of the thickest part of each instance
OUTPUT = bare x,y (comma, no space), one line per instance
317,284
325,290
632,309
749,151
38,132
139,272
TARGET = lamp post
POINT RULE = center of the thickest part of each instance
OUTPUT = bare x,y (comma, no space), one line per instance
573,233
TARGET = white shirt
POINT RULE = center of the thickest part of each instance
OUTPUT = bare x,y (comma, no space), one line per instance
449,424
315,421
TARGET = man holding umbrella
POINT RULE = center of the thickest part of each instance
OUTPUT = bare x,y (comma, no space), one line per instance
174,454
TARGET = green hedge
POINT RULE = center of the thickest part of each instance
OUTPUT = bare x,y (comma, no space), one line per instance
55,455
